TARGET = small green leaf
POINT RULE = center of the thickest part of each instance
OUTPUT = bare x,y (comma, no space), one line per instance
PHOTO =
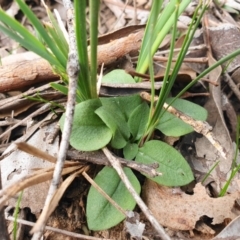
112,104
118,76
117,124
130,151
175,169
138,120
89,132
129,103
100,213
125,104
173,126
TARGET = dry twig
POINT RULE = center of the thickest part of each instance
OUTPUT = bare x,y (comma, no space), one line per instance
199,126
104,194
72,70
117,166
42,109
64,232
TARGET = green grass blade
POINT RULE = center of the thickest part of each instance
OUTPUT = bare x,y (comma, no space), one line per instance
25,38
166,84
15,214
164,24
167,80
148,34
81,38
235,168
208,70
94,8
38,26
187,41
57,34
54,35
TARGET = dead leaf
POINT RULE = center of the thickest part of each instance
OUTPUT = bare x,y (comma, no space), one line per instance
20,164
221,43
231,231
216,120
181,211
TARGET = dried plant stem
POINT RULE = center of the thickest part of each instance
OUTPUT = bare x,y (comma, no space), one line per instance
73,71
64,232
117,166
104,194
100,159
42,109
199,126
232,85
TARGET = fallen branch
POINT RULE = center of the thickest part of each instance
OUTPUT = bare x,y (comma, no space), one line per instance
199,126
72,71
99,158
19,75
117,166
64,232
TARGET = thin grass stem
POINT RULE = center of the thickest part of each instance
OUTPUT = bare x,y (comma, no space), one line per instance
94,8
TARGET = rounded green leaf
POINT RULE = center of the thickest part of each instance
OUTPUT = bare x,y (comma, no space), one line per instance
174,168
170,125
122,105
100,213
89,132
118,126
138,120
118,76
130,151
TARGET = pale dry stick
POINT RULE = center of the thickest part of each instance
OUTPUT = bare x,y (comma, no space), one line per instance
232,85
24,138
201,46
3,102
42,109
187,59
10,121
64,232
73,71
104,194
149,169
61,25
163,52
99,80
117,166
199,126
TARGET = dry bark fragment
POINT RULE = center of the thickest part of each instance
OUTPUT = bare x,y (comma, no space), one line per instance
24,74
30,72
